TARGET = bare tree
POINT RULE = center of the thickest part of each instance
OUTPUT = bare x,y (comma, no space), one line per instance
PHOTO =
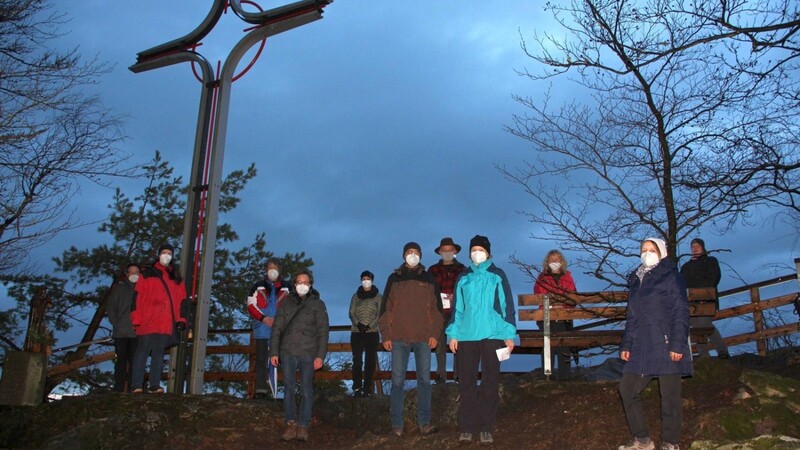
665,139
52,134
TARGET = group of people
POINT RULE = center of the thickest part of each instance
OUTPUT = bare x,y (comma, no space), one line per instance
468,309
146,316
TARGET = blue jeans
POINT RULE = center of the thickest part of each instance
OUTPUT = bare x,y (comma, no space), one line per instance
422,359
290,364
149,345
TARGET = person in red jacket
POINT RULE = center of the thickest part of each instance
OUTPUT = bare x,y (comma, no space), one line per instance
157,311
556,279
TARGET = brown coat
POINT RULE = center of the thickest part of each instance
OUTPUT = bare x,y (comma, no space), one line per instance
411,310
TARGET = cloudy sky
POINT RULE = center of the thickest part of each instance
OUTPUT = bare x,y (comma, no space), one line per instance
378,125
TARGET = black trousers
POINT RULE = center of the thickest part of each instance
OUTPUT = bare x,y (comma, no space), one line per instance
364,344
125,348
262,366
630,389
477,409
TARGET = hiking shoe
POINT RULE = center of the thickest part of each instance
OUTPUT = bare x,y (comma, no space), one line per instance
358,393
291,431
636,444
427,429
302,434
465,438
155,390
668,446
397,431
486,437
138,391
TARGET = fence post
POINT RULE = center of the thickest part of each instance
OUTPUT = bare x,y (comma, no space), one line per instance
547,367
758,320
251,366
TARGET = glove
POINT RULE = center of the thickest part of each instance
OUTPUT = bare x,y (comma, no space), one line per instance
180,325
362,328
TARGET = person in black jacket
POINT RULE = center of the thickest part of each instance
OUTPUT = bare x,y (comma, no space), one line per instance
299,342
118,310
655,344
702,271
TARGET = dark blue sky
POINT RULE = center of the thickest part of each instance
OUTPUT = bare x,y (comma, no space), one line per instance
378,125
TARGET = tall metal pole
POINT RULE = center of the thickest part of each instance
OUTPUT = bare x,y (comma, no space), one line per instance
269,23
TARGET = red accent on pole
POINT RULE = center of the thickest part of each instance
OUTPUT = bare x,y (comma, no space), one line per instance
204,193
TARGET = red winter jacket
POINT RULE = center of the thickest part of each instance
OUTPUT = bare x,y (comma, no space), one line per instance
546,283
152,315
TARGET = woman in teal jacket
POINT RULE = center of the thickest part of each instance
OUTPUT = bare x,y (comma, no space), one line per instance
483,322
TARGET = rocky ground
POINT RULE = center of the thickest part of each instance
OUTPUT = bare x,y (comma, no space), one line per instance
727,401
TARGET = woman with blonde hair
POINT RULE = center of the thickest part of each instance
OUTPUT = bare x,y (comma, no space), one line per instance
556,279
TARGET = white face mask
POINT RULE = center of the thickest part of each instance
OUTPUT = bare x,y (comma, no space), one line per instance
448,256
165,259
302,289
412,259
272,274
478,256
650,259
555,267
366,284
133,278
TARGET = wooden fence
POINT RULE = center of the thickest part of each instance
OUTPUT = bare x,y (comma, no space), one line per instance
755,309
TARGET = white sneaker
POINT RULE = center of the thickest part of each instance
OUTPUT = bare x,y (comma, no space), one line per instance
636,444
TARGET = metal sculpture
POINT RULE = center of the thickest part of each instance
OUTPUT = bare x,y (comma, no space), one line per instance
200,223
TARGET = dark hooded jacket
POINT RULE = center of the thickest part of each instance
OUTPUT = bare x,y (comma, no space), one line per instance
657,322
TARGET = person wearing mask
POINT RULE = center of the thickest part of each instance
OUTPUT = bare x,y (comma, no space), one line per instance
118,310
156,315
365,305
262,305
702,271
483,322
299,343
556,279
446,272
655,344
411,320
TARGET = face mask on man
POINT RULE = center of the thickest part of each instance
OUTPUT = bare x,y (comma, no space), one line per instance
272,274
302,289
649,259
165,259
448,256
366,284
412,259
133,278
478,256
555,267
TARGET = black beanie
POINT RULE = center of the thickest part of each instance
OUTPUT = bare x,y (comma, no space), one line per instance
367,273
166,246
699,241
411,245
480,241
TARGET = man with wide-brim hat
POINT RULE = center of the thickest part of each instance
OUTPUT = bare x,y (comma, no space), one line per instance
446,273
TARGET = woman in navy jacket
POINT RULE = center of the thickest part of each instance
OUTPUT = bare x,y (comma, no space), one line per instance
655,344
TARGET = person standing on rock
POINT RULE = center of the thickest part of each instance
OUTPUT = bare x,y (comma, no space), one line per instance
411,319
299,343
702,271
446,272
655,344
365,305
118,310
483,322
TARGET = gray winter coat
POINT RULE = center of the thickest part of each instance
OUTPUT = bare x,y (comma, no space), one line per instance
307,334
118,309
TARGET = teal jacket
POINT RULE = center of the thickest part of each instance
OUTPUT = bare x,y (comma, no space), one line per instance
483,305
